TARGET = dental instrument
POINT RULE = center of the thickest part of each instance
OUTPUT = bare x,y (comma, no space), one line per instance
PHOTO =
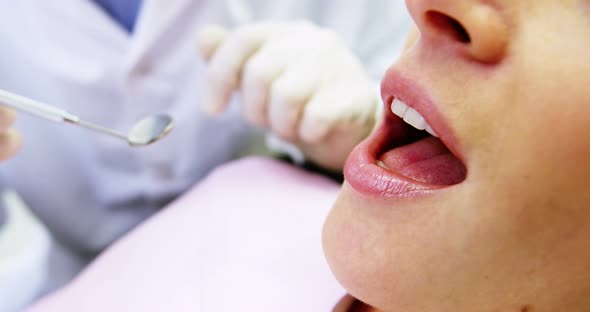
146,131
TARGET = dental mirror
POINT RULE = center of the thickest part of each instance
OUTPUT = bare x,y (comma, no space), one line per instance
146,131
150,130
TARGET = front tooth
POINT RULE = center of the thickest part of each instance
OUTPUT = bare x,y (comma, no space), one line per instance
431,131
411,116
399,108
381,164
415,119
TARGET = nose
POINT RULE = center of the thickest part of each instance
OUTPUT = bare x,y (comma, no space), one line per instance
477,29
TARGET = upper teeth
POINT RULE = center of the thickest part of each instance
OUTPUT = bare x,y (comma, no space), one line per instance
411,116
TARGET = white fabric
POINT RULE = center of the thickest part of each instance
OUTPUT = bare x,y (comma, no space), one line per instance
90,189
24,246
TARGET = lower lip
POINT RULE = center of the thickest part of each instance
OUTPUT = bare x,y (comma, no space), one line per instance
364,175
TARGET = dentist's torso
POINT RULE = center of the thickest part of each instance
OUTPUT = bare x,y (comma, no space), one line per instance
90,189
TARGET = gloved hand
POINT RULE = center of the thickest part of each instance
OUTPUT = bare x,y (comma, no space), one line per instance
10,140
296,79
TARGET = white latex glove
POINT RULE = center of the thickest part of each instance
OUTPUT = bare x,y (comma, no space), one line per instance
296,79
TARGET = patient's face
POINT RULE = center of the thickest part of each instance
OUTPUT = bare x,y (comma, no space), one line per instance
494,215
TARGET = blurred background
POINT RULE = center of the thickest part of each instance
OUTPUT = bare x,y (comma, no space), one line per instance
68,194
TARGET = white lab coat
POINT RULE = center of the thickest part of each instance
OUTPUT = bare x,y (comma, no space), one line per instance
90,189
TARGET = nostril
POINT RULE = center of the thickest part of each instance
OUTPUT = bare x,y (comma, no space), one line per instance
448,25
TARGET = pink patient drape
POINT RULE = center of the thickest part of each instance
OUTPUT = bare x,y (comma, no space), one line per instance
248,238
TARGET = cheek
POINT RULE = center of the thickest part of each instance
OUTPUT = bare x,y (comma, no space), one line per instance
527,128
538,164
547,117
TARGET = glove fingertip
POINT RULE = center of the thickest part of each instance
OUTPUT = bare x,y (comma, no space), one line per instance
214,103
7,117
10,143
214,107
209,39
313,130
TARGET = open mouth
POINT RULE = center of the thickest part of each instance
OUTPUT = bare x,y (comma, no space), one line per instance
405,156
417,153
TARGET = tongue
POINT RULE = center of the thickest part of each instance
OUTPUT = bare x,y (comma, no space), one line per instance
427,161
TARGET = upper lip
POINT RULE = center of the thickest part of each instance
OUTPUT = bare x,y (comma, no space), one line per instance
395,85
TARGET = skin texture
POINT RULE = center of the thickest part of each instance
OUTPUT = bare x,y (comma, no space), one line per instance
514,235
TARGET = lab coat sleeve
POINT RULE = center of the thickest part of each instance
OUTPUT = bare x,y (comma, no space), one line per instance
24,249
2,217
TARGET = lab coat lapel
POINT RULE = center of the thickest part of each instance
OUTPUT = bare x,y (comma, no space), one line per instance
85,14
155,19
